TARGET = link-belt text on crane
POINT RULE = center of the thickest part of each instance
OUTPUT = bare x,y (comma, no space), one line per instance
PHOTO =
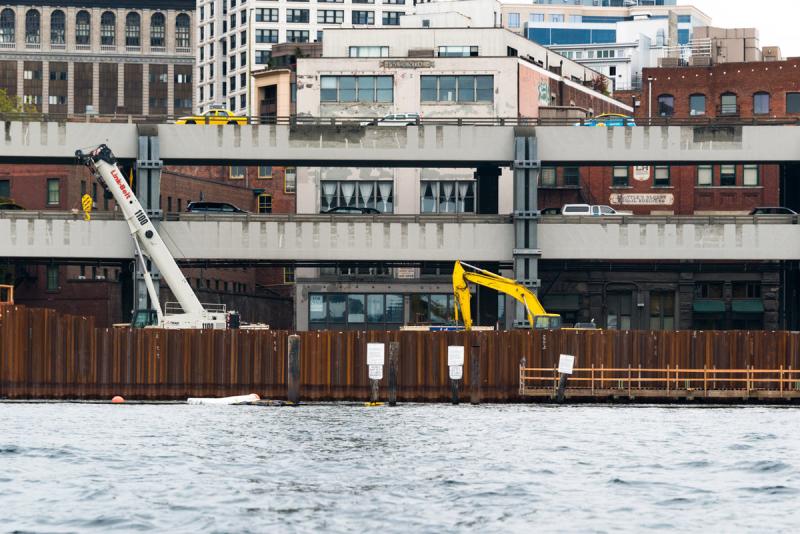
121,183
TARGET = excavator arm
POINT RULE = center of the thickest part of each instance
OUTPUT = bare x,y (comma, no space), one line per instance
537,316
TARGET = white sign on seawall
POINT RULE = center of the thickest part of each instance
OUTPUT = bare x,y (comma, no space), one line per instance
641,173
456,372
375,354
375,372
565,364
455,356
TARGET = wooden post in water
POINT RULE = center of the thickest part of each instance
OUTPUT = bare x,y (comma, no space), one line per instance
475,373
373,395
293,370
394,355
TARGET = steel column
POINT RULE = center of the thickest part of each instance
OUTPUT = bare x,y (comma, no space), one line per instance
526,217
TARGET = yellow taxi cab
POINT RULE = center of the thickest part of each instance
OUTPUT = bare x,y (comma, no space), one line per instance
214,116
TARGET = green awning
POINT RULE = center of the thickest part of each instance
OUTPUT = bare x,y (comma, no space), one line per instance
747,306
708,306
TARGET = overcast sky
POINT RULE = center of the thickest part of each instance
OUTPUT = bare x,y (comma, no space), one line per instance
776,20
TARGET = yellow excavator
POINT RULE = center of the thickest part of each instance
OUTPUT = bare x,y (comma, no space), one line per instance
538,318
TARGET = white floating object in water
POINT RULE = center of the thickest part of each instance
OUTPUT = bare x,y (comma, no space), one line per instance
238,399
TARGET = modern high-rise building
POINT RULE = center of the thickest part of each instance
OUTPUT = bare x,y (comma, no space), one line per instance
236,38
121,56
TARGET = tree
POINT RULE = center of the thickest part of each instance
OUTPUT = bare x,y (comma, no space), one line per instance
14,104
600,84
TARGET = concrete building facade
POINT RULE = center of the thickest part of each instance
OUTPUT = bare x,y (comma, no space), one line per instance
132,58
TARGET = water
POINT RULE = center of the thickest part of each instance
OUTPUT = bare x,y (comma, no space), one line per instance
415,468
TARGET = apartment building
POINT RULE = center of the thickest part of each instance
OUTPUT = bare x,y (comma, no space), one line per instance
120,57
236,38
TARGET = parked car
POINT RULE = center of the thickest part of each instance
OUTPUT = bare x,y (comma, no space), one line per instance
351,210
772,211
213,116
609,119
394,119
587,211
550,211
212,207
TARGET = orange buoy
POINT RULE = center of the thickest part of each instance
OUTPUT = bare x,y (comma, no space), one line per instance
117,400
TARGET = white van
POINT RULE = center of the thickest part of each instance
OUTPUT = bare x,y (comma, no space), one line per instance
586,210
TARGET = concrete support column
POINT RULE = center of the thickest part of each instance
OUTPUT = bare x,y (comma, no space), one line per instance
685,301
148,189
45,86
171,89
526,213
70,87
96,85
120,85
20,78
146,89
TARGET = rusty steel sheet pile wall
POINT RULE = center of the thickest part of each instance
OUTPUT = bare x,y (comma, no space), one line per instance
47,355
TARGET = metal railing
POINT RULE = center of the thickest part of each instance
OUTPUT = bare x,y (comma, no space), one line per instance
360,122
634,381
174,308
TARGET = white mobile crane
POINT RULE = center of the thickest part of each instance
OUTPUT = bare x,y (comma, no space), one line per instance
192,314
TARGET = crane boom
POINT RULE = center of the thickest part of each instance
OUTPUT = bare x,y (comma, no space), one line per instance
537,316
103,165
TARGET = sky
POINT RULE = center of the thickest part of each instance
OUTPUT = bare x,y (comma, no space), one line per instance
776,20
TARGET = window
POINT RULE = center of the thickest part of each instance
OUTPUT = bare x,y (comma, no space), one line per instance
297,15
265,171
575,19
237,172
513,20
296,36
356,194
447,197
5,189
555,17
620,178
750,176
618,310
662,310
666,105
264,203
547,177
457,88
32,27
288,275
290,180
108,29
369,51
708,290
58,23
458,51
392,18
374,311
182,31
363,17
356,89
761,103
536,17
158,30
727,175
266,15
697,105
266,36
571,176
262,56
132,29
8,26
792,102
53,192
363,1
705,175
52,278
331,16
398,2
746,290
432,309
728,104
661,176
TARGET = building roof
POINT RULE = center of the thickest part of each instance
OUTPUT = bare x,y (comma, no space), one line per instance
181,5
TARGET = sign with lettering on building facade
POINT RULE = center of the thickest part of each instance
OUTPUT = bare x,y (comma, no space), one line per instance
406,64
641,173
642,199
316,304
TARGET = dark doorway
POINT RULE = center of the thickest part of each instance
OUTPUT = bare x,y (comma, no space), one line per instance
790,198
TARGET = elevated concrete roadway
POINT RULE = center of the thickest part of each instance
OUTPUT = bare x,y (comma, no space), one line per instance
351,145
400,239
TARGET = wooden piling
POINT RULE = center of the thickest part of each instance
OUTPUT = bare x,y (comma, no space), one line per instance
293,370
394,365
475,374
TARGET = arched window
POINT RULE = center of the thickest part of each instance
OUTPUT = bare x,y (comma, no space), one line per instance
33,26
666,105
182,31
157,29
108,29
761,103
697,105
83,28
7,26
58,23
133,28
727,104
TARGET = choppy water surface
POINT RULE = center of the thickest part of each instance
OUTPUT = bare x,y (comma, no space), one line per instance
414,468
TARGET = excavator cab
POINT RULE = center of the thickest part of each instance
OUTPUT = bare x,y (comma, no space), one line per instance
547,322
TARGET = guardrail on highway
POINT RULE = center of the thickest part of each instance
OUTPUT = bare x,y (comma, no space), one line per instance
423,121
